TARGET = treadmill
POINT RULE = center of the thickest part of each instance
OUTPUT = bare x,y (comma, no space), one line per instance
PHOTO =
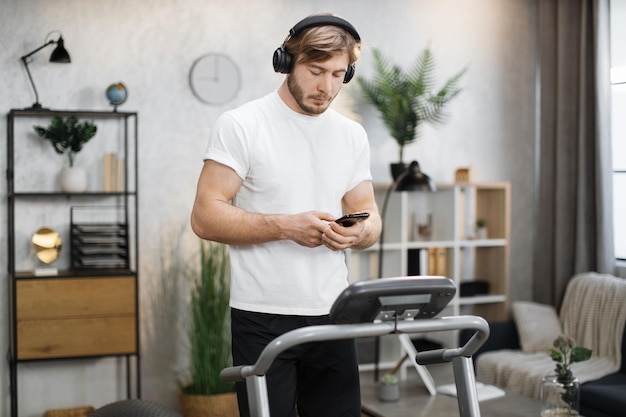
402,306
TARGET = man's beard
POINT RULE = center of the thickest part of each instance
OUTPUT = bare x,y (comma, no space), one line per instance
298,95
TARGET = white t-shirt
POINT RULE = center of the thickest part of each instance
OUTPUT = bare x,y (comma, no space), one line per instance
289,163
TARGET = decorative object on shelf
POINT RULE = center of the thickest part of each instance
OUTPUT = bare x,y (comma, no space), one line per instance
406,99
462,176
560,393
59,55
113,173
68,137
47,243
73,179
424,227
214,79
473,288
117,94
481,229
99,238
209,334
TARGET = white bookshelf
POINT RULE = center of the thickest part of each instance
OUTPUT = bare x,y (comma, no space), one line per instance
453,211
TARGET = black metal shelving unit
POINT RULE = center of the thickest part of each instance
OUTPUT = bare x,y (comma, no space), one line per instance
126,198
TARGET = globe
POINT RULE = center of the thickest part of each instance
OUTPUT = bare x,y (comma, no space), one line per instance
116,94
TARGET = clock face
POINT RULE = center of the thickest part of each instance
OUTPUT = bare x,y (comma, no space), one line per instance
214,79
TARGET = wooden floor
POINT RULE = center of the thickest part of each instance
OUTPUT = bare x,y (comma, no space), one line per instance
415,400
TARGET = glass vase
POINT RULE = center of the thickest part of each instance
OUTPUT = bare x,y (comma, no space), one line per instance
559,399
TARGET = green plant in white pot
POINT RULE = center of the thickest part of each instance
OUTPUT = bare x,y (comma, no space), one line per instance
68,137
407,99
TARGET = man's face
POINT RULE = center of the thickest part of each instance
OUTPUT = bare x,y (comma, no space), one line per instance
314,85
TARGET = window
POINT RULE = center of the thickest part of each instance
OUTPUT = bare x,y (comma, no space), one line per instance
618,127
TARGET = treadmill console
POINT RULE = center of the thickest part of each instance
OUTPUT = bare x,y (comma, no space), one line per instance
386,299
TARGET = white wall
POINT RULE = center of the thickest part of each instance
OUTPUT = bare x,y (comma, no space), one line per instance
151,45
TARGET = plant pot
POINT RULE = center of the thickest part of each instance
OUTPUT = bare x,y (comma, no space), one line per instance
219,405
73,179
481,233
559,399
388,392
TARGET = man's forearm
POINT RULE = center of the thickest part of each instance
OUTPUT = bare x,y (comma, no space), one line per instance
222,222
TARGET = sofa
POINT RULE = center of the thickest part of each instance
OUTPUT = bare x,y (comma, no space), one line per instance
593,312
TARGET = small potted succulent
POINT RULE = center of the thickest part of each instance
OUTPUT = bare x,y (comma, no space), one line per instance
389,384
389,388
68,137
481,229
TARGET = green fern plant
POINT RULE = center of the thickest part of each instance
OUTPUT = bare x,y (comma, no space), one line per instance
67,136
405,100
209,332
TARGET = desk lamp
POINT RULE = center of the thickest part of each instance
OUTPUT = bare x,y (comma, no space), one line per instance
59,54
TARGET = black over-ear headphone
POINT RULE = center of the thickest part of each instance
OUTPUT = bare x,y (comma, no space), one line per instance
283,60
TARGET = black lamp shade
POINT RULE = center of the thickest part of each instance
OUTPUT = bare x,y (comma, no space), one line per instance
413,179
60,54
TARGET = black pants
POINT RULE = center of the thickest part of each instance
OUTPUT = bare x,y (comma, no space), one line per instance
321,379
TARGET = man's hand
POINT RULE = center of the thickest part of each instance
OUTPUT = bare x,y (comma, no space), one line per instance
306,229
337,237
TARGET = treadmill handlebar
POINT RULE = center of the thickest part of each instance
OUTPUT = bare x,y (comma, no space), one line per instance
359,330
232,374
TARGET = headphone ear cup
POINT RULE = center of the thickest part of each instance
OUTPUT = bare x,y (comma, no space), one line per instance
349,73
282,61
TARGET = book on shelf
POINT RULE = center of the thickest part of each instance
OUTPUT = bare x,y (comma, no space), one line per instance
427,261
437,259
113,172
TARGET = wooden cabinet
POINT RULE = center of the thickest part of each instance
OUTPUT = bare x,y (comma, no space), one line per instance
84,307
70,317
434,233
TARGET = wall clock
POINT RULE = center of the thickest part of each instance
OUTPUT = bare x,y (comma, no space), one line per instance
214,79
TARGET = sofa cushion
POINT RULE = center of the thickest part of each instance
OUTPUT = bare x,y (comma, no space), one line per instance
607,394
537,324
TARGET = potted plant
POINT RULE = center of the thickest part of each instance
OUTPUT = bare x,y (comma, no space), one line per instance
560,392
203,393
405,100
68,137
481,229
389,385
389,388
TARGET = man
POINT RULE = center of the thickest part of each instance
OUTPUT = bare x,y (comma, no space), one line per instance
278,171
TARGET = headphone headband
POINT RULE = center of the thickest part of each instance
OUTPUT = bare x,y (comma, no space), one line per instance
323,20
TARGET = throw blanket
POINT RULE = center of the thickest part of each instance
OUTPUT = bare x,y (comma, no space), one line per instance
593,313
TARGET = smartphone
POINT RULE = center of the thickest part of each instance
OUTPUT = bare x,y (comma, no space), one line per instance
350,219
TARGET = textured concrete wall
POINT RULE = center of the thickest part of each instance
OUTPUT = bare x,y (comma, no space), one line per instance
150,45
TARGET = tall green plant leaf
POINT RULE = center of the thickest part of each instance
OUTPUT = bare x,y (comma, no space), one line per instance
210,323
405,100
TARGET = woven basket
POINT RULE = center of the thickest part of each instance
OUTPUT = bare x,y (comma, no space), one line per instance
70,412
221,405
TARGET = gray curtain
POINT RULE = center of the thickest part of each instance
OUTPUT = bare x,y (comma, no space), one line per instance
574,220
